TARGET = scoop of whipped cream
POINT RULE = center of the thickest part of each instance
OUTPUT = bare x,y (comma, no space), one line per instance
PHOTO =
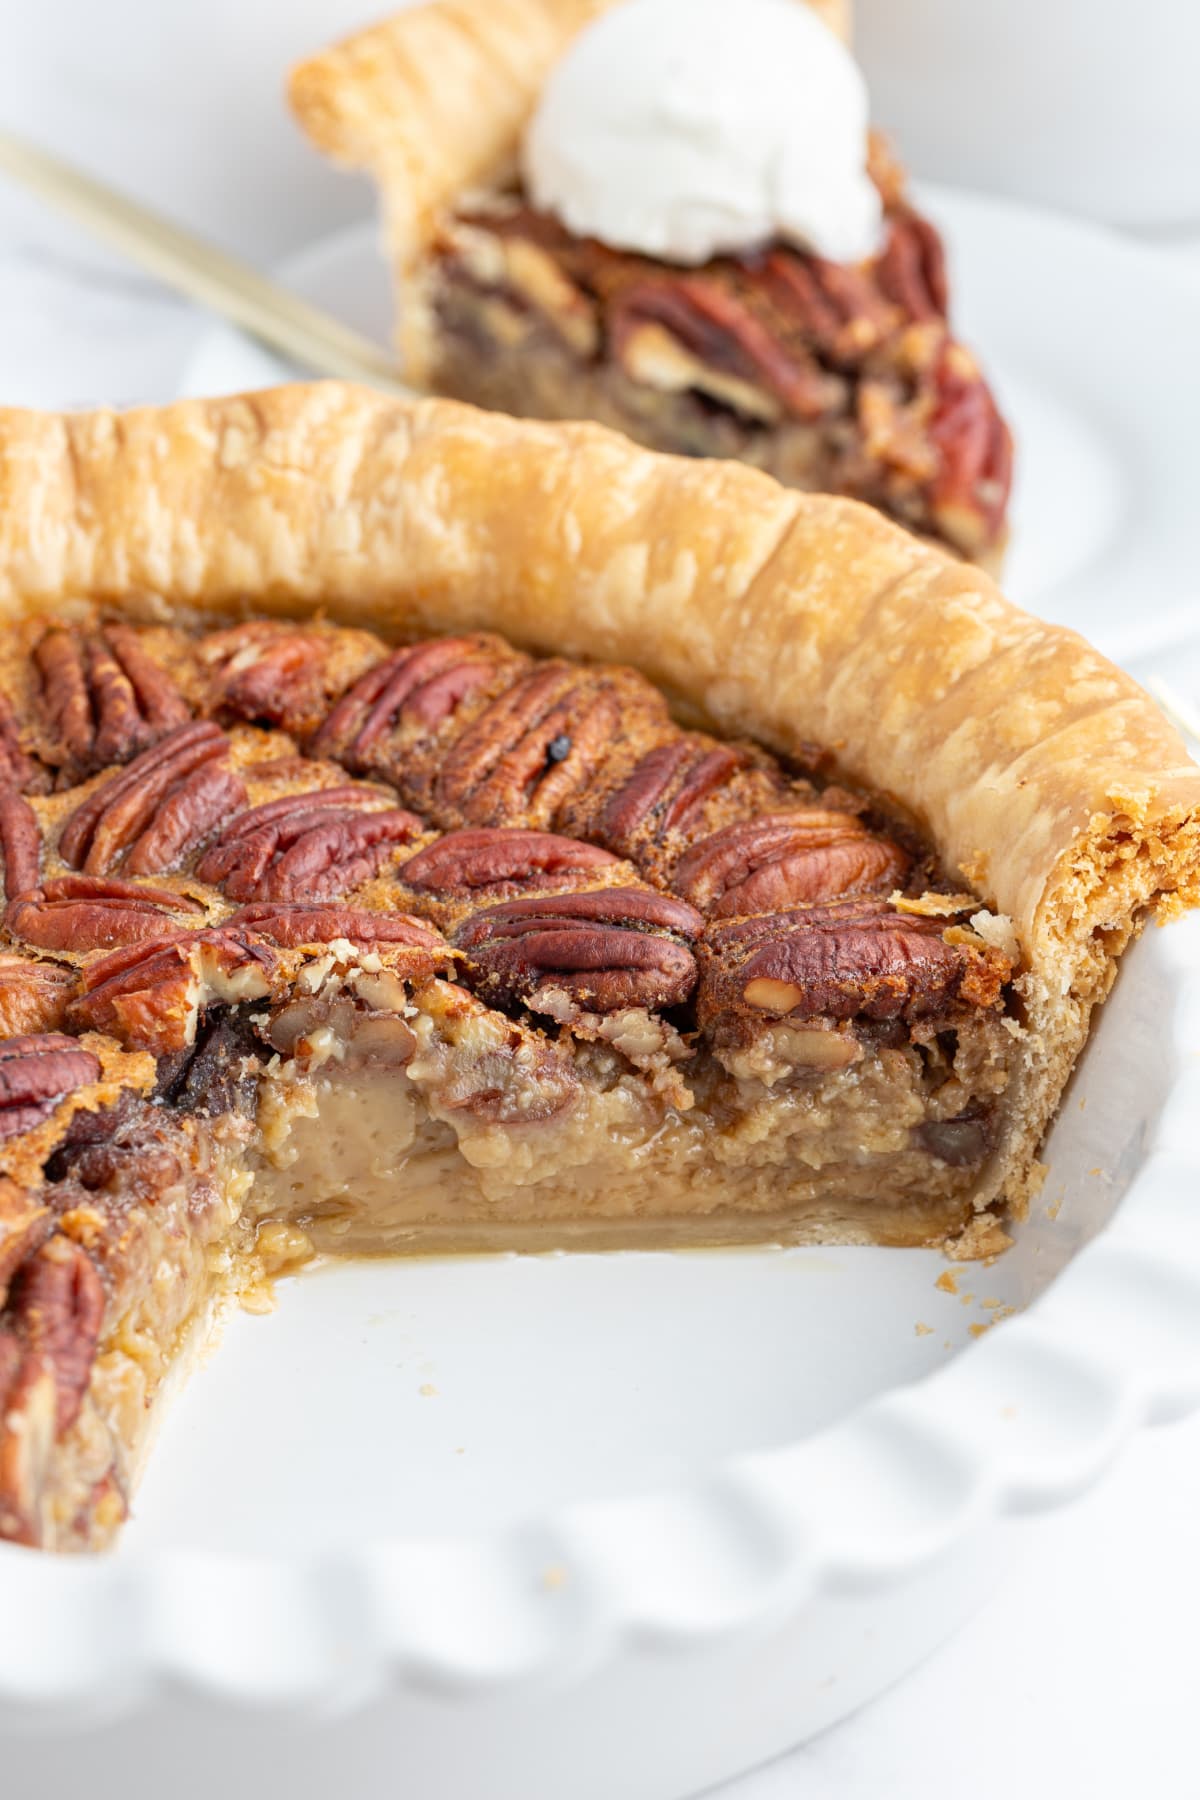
684,128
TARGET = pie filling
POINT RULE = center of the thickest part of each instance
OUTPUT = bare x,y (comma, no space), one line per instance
317,946
834,378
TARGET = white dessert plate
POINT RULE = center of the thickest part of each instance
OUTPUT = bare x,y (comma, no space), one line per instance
598,1526
1091,342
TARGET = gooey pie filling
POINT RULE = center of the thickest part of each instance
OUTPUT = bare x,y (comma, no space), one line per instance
313,944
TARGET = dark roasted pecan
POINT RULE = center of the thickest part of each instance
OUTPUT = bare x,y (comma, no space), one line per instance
855,958
612,948
25,1224
84,912
421,686
149,994
785,859
293,926
37,1072
103,697
497,863
162,797
313,846
20,842
17,770
961,1141
217,1074
285,674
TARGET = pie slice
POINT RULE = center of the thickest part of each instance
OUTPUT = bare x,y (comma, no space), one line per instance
427,830
836,378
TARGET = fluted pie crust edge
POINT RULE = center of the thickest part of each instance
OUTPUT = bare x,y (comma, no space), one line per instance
1040,772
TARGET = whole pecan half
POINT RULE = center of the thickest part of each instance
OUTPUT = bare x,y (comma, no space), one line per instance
284,674
86,912
854,958
17,770
498,862
33,995
57,1306
150,995
156,808
838,308
36,1072
292,927
20,842
784,859
912,268
421,686
551,733
609,949
970,492
103,697
313,846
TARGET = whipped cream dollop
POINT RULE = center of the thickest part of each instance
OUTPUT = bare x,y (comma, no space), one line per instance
688,128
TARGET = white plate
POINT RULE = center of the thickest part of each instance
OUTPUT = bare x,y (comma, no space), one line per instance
530,1528
1091,343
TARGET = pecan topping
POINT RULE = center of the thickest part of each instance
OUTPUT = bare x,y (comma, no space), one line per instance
422,686
84,912
525,756
282,674
159,798
614,948
36,1073
497,862
21,843
975,446
855,958
104,698
16,769
912,268
784,859
149,994
33,995
666,790
313,846
292,927
57,1304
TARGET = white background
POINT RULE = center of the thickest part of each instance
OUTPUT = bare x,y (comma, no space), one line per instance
1083,1675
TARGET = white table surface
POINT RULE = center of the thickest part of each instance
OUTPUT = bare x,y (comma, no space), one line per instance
1081,1676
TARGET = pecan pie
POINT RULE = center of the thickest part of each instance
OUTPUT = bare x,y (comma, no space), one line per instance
833,377
424,830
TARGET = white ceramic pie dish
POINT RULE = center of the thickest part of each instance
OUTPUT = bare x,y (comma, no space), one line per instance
628,1524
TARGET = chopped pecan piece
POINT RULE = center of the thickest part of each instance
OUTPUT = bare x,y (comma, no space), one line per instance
785,859
612,948
20,842
84,912
418,687
294,926
216,1074
36,1072
851,959
28,1409
150,808
150,995
33,995
496,863
912,268
103,697
25,1224
313,846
